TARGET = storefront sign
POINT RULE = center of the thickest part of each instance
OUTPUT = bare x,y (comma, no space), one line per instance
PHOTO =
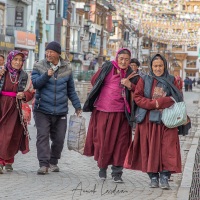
36,48
19,16
65,7
25,40
7,43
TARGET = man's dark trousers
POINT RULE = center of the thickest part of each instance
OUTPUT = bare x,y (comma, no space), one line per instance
53,126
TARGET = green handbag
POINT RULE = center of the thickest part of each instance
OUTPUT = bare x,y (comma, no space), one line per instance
175,115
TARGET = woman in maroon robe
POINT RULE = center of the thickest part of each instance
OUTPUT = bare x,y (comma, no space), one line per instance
155,149
109,132
15,88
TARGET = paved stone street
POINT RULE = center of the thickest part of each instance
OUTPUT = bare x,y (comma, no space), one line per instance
78,179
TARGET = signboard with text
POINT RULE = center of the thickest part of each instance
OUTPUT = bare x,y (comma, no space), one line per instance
65,7
19,16
7,43
25,40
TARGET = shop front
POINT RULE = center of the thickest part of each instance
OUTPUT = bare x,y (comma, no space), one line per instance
7,44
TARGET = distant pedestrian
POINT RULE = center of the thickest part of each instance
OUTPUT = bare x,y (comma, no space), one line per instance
190,85
109,133
135,65
53,80
179,82
15,88
155,149
186,84
2,61
194,82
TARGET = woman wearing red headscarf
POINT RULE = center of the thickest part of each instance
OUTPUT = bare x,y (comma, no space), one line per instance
15,87
109,132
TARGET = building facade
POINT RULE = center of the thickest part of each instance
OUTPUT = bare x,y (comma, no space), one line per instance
19,25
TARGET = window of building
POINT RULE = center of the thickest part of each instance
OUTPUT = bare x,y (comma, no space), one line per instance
196,9
80,20
162,46
191,74
73,14
192,48
98,19
176,47
92,42
1,20
146,44
191,64
144,63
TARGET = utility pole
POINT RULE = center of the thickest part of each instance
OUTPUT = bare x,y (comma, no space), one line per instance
104,13
123,27
69,10
100,58
138,40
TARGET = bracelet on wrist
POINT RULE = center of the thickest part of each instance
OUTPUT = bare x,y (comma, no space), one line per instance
157,105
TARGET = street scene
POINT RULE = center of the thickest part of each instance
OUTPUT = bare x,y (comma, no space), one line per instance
78,177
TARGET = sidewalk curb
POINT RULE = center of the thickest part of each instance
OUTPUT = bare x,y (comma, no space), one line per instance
184,189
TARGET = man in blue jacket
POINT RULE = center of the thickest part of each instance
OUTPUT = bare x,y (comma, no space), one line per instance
52,78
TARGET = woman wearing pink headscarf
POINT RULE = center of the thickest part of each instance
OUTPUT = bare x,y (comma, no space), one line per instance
109,131
15,88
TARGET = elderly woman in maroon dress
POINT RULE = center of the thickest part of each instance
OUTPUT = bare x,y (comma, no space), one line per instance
15,87
155,149
109,132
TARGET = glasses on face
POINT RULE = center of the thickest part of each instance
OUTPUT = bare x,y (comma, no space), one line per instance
49,52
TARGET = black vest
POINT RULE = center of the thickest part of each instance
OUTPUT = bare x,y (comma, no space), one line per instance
23,78
140,113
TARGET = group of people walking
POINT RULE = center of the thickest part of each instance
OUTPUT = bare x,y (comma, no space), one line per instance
121,98
188,82
52,84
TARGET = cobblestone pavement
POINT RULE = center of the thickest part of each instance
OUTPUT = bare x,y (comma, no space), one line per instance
78,178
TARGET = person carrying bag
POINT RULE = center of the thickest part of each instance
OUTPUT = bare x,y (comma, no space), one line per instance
156,148
175,115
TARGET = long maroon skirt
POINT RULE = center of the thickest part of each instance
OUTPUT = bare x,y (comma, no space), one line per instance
108,138
155,148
